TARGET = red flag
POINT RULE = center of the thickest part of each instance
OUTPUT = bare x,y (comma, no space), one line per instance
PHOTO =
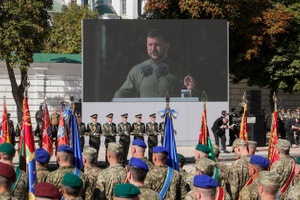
204,134
61,132
5,132
243,129
47,140
272,156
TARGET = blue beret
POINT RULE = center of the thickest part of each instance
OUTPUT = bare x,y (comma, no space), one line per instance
259,161
160,149
65,148
204,181
41,155
138,163
139,142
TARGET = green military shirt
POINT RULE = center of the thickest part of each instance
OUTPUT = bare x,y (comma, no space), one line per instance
41,174
92,172
294,193
20,190
6,196
249,192
94,129
56,178
147,193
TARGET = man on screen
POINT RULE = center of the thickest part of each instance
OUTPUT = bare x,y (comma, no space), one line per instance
157,75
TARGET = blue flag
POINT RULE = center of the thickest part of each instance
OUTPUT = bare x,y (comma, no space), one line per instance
75,142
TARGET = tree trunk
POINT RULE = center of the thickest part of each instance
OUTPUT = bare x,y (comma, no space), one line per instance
17,90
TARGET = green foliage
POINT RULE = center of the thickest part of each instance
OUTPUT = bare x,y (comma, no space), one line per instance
65,34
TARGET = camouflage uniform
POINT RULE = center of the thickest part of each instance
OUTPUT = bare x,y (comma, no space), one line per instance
249,192
21,190
190,196
92,172
41,174
239,175
76,198
150,164
147,193
57,176
155,180
6,196
294,193
108,179
224,169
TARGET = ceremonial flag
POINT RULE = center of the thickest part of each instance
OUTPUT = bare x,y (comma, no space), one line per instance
243,129
61,132
169,138
272,156
75,141
28,149
5,136
47,140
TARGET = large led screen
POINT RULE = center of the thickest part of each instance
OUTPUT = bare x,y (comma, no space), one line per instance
145,59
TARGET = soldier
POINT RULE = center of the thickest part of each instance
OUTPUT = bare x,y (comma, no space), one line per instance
268,184
42,158
201,151
288,114
109,131
20,189
239,172
297,113
12,130
54,123
113,175
284,167
46,191
124,129
126,191
169,188
290,126
138,148
256,165
151,130
18,129
71,187
89,157
252,147
81,131
94,130
138,128
294,191
161,129
7,179
64,159
181,161
136,173
39,117
281,121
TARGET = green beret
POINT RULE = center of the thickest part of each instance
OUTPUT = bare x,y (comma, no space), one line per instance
7,148
298,161
203,148
72,181
181,158
126,190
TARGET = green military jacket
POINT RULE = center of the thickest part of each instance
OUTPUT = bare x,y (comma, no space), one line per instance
41,174
94,130
20,191
109,129
151,128
147,193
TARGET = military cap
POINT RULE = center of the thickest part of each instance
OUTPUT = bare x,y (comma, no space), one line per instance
298,161
139,142
72,180
78,115
153,115
288,109
114,147
259,161
181,158
206,165
125,115
7,148
283,144
126,190
238,143
160,149
41,155
216,149
110,115
8,172
252,144
47,190
203,148
138,163
65,148
138,116
89,152
205,181
94,116
8,114
268,178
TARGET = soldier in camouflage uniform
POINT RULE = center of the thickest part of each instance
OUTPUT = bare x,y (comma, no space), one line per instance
20,188
138,148
151,130
42,158
7,179
81,131
284,166
136,173
239,173
126,191
156,177
94,130
138,128
71,187
268,184
294,191
256,165
109,131
181,161
65,158
89,157
113,175
252,147
124,129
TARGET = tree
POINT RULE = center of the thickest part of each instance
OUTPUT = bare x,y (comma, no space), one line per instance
23,26
66,29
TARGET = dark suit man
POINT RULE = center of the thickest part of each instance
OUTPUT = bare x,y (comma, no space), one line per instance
94,130
81,131
219,128
152,130
138,128
109,131
124,128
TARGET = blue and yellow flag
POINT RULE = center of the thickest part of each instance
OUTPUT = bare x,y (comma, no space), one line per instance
75,141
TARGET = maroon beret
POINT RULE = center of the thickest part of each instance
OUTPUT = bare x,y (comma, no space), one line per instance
47,190
7,171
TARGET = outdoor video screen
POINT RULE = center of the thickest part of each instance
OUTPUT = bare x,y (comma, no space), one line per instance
145,59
